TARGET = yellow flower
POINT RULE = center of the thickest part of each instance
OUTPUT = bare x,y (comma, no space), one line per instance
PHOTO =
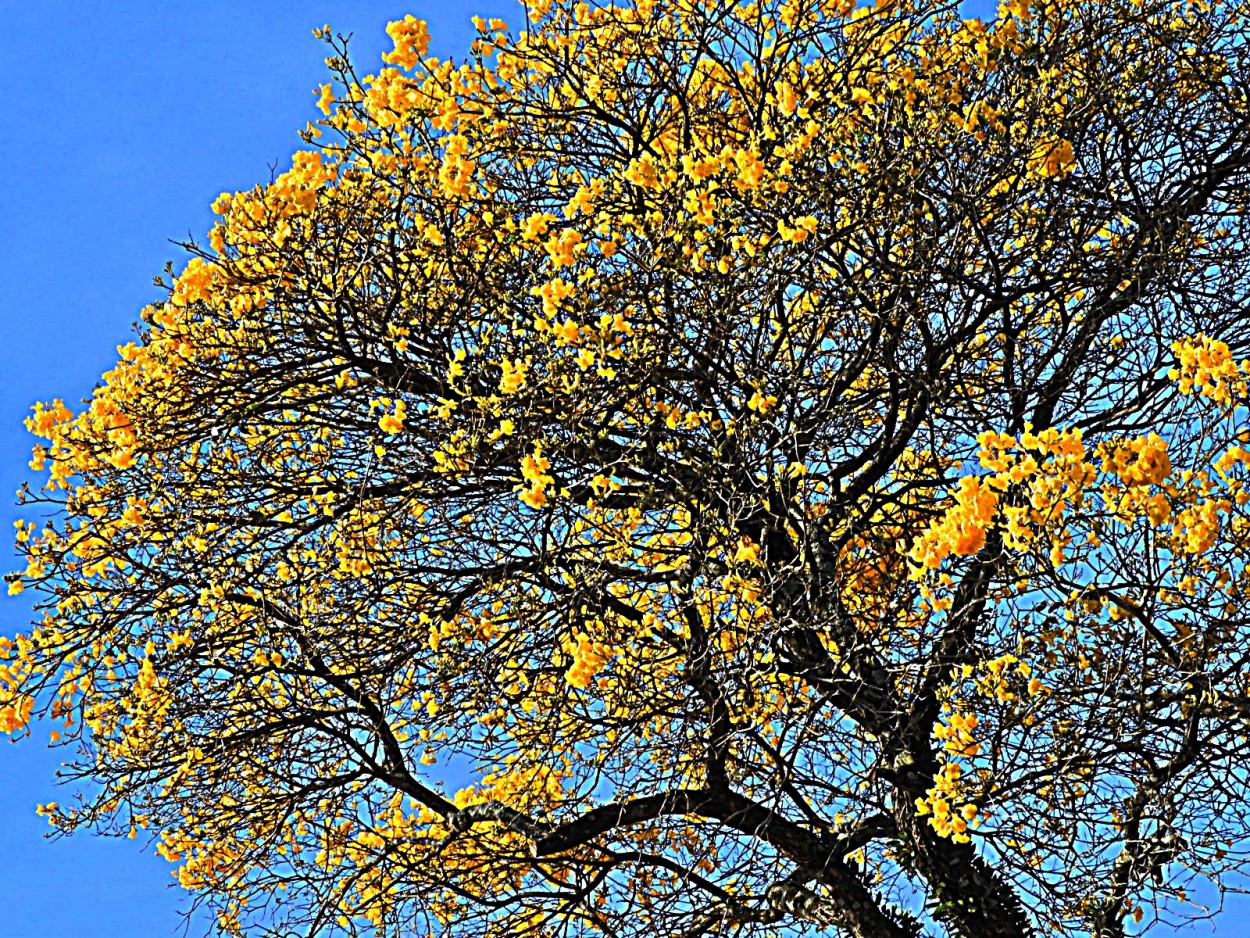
514,376
195,283
394,421
536,225
1052,157
787,101
565,248
324,101
962,529
412,41
553,293
750,169
534,471
748,552
803,228
643,173
699,169
16,715
1207,366
1140,461
762,402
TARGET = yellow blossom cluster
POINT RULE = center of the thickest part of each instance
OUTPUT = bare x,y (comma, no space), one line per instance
534,471
1207,366
412,41
392,421
15,715
803,229
553,293
761,402
947,806
589,658
1052,158
517,783
962,528
956,734
1031,486
1138,461
107,432
268,217
47,417
1196,528
1139,465
203,862
457,171
195,283
747,552
391,97
513,377
1000,681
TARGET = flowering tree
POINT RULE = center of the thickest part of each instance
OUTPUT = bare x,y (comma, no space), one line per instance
691,468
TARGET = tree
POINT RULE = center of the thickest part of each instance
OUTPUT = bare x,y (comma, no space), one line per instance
784,458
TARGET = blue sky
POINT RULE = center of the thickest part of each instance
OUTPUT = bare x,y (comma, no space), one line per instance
125,119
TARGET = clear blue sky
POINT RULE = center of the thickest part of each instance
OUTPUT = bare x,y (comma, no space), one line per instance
124,120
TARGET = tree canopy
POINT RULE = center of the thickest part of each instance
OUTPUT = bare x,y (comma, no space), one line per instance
689,468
